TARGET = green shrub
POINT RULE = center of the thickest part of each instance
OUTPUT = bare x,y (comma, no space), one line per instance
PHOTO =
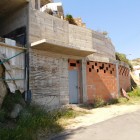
113,101
98,102
122,100
2,115
122,57
31,120
11,99
135,92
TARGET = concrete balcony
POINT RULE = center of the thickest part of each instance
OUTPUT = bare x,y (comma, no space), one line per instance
46,45
52,34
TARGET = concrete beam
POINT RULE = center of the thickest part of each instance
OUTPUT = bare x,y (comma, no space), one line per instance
58,48
84,80
8,6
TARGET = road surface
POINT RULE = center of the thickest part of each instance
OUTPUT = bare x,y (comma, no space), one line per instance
125,127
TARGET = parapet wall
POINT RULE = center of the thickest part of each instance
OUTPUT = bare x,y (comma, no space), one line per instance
45,26
103,45
80,37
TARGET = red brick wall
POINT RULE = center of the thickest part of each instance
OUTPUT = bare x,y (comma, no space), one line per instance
124,78
101,81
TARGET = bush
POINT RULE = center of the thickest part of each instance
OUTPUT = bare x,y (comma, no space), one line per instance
98,102
113,101
31,120
122,100
135,92
123,58
11,99
70,19
2,115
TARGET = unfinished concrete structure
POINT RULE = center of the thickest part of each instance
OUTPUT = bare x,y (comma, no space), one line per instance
63,63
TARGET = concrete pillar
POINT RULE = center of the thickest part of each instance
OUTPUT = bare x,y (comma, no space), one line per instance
117,78
35,4
84,81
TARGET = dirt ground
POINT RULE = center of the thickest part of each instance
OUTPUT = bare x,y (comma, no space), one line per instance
94,116
124,127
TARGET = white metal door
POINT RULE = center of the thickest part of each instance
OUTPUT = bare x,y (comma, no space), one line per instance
73,86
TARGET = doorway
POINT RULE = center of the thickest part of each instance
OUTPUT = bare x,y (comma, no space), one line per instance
73,86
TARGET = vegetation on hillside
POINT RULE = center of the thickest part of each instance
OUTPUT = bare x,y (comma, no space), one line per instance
122,57
34,122
134,97
135,62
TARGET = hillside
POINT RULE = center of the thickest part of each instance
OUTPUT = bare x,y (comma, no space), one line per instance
135,62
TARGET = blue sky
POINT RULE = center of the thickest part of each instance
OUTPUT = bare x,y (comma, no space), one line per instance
120,18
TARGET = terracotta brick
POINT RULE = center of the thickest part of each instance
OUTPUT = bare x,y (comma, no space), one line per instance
105,83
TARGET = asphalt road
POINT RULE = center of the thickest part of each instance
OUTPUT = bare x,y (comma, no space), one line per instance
125,127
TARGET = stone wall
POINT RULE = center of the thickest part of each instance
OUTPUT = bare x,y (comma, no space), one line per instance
49,78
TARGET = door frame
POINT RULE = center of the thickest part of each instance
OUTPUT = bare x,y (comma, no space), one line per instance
78,96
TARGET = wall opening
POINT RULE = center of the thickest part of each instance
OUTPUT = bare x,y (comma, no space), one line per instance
89,69
19,35
73,64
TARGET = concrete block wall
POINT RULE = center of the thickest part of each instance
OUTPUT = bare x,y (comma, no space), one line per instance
45,26
103,46
48,78
60,32
80,37
49,71
101,81
14,20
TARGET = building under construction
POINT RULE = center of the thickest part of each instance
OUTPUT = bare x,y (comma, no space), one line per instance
53,62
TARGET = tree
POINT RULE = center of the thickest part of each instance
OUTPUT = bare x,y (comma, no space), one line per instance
122,57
